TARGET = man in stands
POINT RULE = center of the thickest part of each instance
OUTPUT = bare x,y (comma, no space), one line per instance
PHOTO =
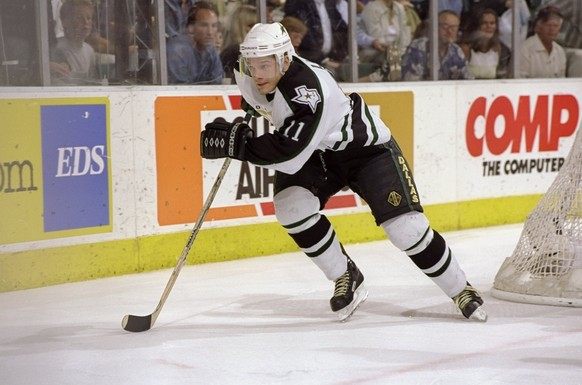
453,65
192,56
540,56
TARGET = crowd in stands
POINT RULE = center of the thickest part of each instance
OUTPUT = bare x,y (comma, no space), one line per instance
393,38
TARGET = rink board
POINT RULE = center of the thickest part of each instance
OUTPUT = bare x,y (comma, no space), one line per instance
482,153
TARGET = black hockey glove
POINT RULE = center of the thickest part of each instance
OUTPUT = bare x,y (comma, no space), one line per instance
224,140
246,107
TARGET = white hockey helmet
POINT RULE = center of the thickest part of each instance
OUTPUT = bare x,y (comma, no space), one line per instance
266,40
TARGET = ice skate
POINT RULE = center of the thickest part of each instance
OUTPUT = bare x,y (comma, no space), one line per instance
469,302
349,292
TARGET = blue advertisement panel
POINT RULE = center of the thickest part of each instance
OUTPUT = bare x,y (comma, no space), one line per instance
55,168
75,174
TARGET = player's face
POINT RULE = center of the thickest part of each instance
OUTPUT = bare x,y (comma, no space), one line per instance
265,73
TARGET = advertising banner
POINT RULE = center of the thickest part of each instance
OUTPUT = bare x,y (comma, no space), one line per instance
184,178
514,142
54,168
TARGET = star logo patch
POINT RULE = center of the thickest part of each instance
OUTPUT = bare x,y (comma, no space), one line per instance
307,96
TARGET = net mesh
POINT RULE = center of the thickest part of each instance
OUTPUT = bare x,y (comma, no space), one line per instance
547,261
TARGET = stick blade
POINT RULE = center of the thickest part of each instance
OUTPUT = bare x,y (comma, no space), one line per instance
136,324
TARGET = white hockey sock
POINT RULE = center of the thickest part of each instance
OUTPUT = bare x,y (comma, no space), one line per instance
297,209
428,250
447,274
332,261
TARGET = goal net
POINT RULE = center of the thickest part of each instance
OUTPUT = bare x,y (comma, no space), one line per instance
546,265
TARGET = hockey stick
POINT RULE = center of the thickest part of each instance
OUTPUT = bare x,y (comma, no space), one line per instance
136,323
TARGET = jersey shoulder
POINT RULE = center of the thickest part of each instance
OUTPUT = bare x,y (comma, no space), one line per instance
303,85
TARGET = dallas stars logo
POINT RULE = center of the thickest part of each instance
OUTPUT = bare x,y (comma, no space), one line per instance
307,96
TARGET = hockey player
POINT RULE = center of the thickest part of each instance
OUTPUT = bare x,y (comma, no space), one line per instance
325,140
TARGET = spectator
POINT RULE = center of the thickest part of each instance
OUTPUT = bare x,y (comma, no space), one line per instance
570,37
386,21
176,16
571,32
540,56
95,39
296,30
73,62
363,39
506,22
192,57
325,42
412,18
488,58
242,19
453,65
219,41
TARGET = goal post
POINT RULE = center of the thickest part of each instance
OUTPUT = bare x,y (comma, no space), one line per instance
546,265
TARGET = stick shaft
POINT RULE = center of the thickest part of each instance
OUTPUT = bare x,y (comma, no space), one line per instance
141,323
191,238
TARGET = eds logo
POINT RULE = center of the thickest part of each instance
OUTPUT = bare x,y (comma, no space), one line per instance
75,176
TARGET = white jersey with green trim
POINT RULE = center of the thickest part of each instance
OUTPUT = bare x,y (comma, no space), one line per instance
310,112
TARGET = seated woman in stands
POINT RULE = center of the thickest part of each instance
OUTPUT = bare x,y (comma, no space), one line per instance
487,56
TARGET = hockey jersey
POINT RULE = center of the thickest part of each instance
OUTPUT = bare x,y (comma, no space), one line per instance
310,112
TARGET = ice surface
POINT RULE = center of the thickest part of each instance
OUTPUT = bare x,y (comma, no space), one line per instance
267,321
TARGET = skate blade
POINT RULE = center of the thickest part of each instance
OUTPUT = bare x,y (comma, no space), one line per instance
479,315
360,296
